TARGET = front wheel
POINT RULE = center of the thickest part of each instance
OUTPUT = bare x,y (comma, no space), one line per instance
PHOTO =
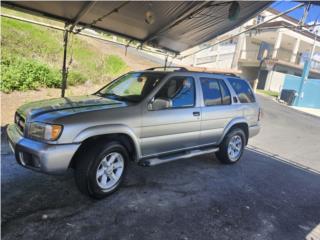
101,168
232,146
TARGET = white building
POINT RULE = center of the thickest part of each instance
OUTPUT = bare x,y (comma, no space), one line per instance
286,49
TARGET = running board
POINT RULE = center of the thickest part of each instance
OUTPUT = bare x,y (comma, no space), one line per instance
169,158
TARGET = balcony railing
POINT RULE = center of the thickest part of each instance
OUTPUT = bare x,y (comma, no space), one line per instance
283,54
315,64
250,55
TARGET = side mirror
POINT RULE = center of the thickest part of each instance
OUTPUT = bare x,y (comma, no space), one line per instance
159,104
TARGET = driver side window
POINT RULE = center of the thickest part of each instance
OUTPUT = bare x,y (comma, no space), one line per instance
179,92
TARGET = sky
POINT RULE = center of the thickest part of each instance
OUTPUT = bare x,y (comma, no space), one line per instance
314,12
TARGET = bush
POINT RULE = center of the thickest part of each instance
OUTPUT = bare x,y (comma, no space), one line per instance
75,78
23,74
34,57
114,65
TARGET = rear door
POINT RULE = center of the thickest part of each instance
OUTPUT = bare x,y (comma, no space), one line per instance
177,126
249,105
217,109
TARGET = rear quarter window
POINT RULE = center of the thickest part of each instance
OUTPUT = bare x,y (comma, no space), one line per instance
242,89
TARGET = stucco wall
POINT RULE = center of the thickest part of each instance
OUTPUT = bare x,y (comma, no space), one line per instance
284,54
275,81
216,57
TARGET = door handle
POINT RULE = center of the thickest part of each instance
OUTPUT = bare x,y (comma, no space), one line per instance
196,114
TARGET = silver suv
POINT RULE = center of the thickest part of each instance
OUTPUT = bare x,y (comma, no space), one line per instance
150,117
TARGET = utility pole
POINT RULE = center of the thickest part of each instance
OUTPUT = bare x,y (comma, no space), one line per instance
306,68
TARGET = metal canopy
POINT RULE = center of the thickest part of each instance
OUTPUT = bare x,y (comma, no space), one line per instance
171,26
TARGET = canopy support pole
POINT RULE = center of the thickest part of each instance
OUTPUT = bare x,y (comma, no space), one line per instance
64,64
165,62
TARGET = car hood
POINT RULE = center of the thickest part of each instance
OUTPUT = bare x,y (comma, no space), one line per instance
66,106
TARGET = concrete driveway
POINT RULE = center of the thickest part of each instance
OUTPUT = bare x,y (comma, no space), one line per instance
272,195
289,133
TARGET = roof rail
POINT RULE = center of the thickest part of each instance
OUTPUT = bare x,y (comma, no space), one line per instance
227,74
183,69
165,68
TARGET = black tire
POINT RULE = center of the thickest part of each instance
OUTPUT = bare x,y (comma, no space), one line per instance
87,166
223,154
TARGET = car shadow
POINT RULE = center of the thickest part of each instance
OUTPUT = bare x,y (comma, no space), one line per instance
273,187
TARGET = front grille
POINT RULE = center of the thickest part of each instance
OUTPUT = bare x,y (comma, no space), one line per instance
20,121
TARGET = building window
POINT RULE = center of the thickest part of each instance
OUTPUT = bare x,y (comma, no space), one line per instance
204,45
260,19
208,59
226,56
229,42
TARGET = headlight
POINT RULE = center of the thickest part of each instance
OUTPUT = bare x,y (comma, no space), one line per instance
44,131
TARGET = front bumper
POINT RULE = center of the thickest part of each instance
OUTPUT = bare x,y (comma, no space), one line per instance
43,157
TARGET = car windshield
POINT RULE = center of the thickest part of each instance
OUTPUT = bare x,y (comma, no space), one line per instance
132,86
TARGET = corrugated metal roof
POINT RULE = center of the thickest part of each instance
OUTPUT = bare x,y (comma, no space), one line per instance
172,26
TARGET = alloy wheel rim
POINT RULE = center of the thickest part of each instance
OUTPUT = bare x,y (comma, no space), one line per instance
235,148
110,170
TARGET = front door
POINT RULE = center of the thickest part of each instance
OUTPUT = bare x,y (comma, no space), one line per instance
176,125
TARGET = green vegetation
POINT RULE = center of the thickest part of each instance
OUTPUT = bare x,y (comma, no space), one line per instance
32,58
21,74
270,93
114,65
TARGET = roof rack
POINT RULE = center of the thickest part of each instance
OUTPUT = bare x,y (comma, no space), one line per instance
226,74
183,69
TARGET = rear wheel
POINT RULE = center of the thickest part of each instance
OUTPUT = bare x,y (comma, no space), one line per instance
231,148
101,168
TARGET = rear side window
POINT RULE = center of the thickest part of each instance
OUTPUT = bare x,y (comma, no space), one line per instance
215,92
242,89
225,93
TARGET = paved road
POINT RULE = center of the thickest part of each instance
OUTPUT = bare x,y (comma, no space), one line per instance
153,57
290,134
261,197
